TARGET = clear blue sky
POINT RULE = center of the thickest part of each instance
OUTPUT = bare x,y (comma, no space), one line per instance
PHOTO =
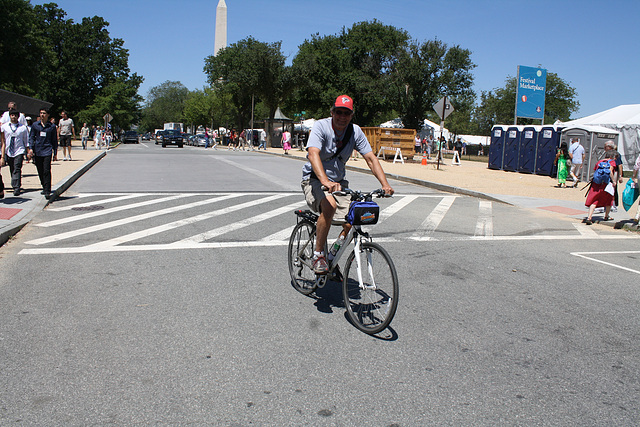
590,44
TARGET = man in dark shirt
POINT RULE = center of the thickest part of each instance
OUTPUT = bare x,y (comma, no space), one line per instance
44,143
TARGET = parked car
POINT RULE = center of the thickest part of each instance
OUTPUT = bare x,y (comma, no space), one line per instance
199,140
130,136
171,137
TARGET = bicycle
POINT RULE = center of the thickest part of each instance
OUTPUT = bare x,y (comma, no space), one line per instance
369,286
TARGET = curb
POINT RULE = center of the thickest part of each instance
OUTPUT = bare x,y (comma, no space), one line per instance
40,204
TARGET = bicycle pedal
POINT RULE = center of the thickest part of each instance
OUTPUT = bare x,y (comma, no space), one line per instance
321,281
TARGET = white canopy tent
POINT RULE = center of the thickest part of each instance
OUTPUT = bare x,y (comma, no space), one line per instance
305,126
397,123
626,120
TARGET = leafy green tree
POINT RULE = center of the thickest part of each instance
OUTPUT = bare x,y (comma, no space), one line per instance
120,99
21,47
498,106
426,72
250,69
165,104
359,62
46,55
317,68
198,108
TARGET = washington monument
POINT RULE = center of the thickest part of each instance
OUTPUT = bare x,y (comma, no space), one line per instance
221,27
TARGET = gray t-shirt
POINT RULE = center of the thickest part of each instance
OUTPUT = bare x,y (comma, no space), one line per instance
66,126
323,136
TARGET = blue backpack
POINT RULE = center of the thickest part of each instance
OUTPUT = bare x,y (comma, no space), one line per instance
602,175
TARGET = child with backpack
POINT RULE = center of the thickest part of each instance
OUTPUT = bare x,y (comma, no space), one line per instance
599,195
563,160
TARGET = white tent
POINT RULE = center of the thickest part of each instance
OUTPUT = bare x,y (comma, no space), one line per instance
624,119
476,139
305,126
395,123
436,129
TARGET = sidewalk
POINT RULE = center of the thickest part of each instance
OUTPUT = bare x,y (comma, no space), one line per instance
17,211
476,179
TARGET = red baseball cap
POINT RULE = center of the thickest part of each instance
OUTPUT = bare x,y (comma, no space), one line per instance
344,101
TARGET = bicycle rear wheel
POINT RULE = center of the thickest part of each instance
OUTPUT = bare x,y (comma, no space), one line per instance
370,307
301,245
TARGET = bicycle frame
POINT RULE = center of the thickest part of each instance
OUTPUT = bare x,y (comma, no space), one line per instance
354,235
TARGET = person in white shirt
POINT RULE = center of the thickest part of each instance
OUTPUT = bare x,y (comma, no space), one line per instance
576,151
5,116
15,146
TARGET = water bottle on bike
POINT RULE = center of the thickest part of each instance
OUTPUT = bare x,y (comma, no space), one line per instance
335,247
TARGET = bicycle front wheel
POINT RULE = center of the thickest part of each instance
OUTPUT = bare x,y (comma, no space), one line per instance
371,304
301,245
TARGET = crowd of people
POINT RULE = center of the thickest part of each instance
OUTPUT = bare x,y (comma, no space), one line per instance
428,145
25,140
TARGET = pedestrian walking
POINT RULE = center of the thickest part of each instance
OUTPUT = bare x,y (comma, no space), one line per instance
66,130
242,140
84,135
263,140
611,146
602,186
5,116
286,141
15,146
44,145
636,169
563,161
576,151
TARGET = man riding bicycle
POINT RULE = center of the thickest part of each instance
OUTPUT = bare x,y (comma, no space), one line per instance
329,147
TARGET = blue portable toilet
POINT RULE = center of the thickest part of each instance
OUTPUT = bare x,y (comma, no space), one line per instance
511,149
528,145
548,143
496,149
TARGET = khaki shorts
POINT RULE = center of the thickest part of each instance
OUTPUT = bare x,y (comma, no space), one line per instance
313,194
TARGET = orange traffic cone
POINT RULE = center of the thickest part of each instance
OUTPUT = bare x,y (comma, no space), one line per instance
424,159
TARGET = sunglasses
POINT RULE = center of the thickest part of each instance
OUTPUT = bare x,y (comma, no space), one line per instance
342,112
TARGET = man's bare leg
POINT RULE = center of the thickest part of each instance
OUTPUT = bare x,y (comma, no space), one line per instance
328,208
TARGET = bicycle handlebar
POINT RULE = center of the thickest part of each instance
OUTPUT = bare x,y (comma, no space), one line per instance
358,195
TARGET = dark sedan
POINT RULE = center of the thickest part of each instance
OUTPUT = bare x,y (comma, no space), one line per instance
130,136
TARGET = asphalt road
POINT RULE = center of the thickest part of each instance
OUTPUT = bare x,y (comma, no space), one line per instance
156,291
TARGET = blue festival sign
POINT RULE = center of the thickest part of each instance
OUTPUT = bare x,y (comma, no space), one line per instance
530,92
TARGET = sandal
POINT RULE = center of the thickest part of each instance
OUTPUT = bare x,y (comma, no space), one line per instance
588,222
606,218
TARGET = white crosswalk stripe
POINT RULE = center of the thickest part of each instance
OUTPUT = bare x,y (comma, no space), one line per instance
111,210
484,226
426,229
242,214
129,220
99,202
175,224
240,224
